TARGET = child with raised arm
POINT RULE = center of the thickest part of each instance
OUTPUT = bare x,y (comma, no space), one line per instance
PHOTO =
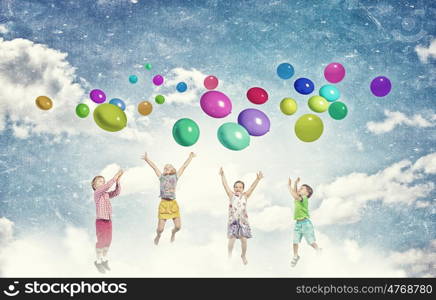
103,222
168,207
303,225
238,226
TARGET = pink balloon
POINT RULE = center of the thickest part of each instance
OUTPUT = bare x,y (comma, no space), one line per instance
216,104
210,82
158,80
334,72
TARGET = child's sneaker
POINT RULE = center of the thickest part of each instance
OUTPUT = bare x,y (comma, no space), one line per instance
294,261
106,265
99,267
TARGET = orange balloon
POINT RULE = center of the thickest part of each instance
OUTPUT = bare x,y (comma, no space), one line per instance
44,102
145,108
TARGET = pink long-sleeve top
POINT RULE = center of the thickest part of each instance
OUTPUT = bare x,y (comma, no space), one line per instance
101,197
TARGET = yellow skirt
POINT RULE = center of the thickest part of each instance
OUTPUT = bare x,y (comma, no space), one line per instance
168,209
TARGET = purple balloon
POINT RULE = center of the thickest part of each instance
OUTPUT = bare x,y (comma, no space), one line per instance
158,80
216,104
255,121
98,96
381,86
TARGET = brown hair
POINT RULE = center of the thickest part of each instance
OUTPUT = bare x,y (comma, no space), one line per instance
94,180
241,182
309,189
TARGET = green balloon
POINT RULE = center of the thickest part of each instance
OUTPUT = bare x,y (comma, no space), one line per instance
186,132
309,128
233,136
148,66
338,110
318,104
82,110
110,117
159,99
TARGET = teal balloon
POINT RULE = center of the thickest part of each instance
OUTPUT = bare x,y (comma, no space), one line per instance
338,110
329,92
186,132
233,136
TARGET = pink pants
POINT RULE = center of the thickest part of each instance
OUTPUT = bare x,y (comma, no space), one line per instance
104,233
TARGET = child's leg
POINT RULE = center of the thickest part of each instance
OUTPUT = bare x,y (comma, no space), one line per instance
105,251
230,245
295,246
177,227
159,230
99,254
315,246
244,250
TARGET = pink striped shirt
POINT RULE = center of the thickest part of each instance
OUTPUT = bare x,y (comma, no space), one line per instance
101,197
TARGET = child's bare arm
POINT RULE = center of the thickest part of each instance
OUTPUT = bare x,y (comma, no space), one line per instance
259,176
152,165
117,190
293,190
187,162
224,181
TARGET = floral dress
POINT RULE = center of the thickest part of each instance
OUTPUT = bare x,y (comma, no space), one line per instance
238,225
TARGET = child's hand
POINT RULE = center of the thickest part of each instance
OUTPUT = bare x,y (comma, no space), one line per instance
298,180
221,171
289,182
259,175
119,174
192,155
144,157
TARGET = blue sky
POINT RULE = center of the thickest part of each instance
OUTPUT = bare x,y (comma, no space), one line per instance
362,170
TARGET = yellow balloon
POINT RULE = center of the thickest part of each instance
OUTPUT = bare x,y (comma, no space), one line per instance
44,102
309,128
318,104
288,106
145,108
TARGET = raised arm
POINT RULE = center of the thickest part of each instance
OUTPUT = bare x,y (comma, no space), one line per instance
187,162
152,165
259,176
293,190
117,190
226,186
103,188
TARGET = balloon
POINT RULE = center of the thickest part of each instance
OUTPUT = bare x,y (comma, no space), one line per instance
186,132
288,106
118,102
44,102
255,121
133,79
159,99
148,66
304,86
110,117
257,95
233,136
210,82
98,96
145,108
181,87
329,92
334,72
381,86
338,110
82,110
285,71
318,104
158,80
309,128
216,104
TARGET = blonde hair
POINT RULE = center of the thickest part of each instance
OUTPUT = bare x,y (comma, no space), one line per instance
174,171
94,180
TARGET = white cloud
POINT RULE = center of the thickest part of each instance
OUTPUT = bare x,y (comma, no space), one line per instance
28,70
71,253
424,53
6,230
3,29
394,119
343,199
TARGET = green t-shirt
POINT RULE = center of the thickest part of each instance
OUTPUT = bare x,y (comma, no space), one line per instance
301,210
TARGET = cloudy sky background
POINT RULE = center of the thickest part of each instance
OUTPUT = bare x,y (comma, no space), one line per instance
373,173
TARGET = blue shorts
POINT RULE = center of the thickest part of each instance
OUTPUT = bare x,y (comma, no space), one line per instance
304,228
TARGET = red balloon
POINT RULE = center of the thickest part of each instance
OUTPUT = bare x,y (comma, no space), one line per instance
210,82
257,95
